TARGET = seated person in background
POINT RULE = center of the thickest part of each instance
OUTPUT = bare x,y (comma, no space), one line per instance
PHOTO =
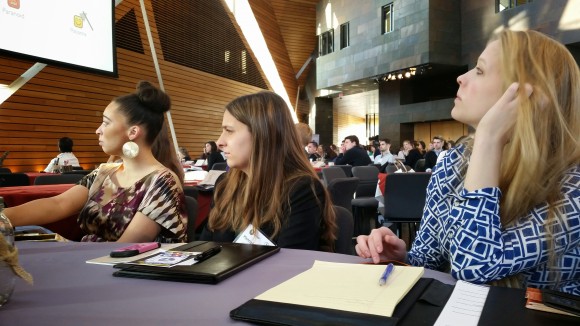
212,154
409,154
138,200
312,149
183,154
305,135
385,157
352,154
491,216
431,156
320,150
329,154
282,198
66,157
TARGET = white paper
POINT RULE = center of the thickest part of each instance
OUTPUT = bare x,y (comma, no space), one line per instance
465,305
108,260
251,237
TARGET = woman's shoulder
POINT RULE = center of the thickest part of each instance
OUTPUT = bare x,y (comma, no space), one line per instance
107,168
571,180
301,183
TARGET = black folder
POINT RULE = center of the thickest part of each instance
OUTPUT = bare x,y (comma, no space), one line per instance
232,258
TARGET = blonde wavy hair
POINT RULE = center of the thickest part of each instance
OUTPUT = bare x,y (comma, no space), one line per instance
544,143
277,162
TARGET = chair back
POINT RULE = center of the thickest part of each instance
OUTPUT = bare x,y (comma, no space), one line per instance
404,196
5,170
369,178
420,165
377,165
389,168
347,170
191,191
344,221
221,166
191,206
81,172
342,190
330,173
14,179
57,179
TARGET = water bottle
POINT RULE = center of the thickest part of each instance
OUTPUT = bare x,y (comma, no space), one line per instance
7,276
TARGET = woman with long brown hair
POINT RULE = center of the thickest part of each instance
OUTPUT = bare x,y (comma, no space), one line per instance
503,206
270,186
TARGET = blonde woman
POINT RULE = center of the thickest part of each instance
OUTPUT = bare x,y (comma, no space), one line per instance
282,198
511,216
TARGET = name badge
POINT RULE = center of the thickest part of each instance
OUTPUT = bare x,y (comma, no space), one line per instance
251,236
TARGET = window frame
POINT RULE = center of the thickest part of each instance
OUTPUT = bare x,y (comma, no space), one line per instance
326,42
511,4
344,35
387,11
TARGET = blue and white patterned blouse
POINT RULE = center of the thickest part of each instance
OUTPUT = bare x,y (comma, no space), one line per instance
463,229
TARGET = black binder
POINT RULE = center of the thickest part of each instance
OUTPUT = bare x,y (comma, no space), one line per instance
232,258
421,306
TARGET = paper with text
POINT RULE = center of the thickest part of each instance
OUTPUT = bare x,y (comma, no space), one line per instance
347,287
465,305
108,260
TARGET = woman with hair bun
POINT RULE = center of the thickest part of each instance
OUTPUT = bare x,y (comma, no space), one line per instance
137,200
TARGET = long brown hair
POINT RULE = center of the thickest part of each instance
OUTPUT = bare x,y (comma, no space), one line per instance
261,196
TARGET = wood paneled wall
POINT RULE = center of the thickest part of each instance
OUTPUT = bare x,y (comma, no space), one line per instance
61,102
449,130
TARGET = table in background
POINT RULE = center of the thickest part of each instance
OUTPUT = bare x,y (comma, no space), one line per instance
204,198
14,196
33,175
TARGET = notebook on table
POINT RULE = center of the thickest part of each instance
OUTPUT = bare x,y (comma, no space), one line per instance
231,259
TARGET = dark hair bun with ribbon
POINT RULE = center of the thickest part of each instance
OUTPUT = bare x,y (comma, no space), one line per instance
152,97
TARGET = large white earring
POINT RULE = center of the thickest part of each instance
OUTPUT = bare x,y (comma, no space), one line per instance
130,149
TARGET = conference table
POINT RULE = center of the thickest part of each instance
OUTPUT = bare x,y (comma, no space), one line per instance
68,291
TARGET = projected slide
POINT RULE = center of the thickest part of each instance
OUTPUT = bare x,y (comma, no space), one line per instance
77,32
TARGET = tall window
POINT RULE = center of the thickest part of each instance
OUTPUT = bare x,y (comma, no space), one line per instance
387,18
344,35
326,42
501,5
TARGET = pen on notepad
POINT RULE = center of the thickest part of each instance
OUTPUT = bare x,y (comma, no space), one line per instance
386,274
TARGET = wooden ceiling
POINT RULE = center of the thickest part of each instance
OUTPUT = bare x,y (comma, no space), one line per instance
297,21
289,28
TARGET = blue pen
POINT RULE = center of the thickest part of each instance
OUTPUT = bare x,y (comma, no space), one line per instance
386,274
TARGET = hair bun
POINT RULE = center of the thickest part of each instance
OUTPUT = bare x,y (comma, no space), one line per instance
152,97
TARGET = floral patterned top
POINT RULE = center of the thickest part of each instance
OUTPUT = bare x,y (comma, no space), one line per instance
110,208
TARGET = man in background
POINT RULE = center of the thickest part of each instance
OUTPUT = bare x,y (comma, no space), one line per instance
352,153
431,156
385,156
66,157
312,151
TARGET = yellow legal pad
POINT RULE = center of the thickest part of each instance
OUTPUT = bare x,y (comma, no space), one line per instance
348,287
